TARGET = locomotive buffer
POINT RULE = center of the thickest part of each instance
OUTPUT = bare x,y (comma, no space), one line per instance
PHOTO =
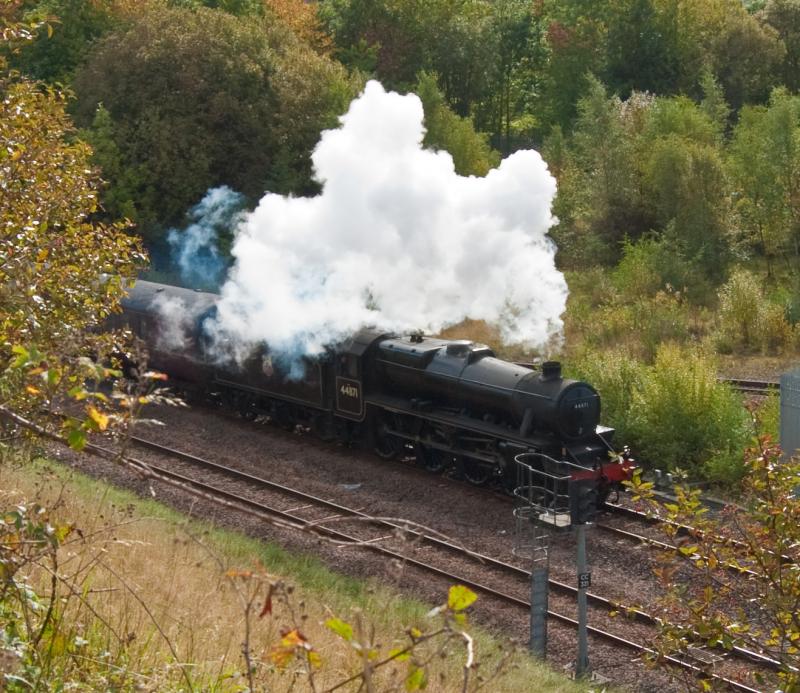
551,494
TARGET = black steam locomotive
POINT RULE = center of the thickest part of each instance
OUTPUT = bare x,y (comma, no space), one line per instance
449,404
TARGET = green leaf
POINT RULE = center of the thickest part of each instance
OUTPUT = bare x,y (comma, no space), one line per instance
341,628
460,597
77,439
22,356
416,679
398,654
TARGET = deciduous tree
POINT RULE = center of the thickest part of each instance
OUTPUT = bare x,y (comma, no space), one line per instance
61,271
200,98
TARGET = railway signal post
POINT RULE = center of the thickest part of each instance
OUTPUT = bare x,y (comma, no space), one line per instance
584,581
543,503
583,508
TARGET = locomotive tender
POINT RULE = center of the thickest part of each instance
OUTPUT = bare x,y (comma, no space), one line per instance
448,403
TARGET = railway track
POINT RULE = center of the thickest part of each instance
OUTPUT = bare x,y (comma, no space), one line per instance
753,387
390,530
729,672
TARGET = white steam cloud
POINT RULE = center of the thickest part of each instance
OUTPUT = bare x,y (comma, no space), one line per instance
174,326
396,240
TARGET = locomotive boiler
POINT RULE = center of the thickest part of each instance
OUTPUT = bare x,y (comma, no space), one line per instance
447,404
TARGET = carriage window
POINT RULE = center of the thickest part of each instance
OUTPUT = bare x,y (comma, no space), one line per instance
349,366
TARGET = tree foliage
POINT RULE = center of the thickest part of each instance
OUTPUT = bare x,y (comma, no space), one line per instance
446,130
716,607
200,98
52,254
61,271
75,25
765,164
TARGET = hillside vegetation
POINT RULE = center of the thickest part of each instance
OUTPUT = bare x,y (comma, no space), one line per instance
671,126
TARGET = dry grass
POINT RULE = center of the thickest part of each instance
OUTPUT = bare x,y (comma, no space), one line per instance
484,333
167,596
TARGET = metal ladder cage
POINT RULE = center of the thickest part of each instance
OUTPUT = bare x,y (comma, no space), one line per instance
531,537
543,485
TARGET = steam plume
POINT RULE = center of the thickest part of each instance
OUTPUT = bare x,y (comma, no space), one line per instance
195,249
396,240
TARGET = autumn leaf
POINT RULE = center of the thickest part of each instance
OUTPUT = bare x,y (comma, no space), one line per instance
267,604
100,419
342,629
460,597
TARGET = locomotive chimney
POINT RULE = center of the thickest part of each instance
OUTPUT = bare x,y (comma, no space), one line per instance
551,370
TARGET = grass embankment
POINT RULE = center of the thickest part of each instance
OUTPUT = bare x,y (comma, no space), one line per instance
160,603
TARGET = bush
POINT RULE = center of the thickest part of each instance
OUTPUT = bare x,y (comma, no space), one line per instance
659,263
683,418
649,266
617,377
768,416
675,414
748,321
639,326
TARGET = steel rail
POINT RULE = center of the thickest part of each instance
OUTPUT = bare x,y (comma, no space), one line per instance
681,529
760,387
258,509
262,511
595,599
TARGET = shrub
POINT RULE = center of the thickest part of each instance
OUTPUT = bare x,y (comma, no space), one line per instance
659,263
748,321
641,325
768,416
675,414
649,266
774,331
683,418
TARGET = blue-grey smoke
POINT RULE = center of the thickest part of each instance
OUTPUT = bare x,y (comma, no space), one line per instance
196,249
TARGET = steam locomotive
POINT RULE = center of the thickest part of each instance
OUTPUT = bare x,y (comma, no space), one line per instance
445,403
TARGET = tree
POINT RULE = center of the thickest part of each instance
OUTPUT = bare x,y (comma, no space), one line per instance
513,74
200,98
784,17
642,47
599,200
575,42
61,272
764,161
471,152
744,54
685,179
76,25
716,607
303,19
